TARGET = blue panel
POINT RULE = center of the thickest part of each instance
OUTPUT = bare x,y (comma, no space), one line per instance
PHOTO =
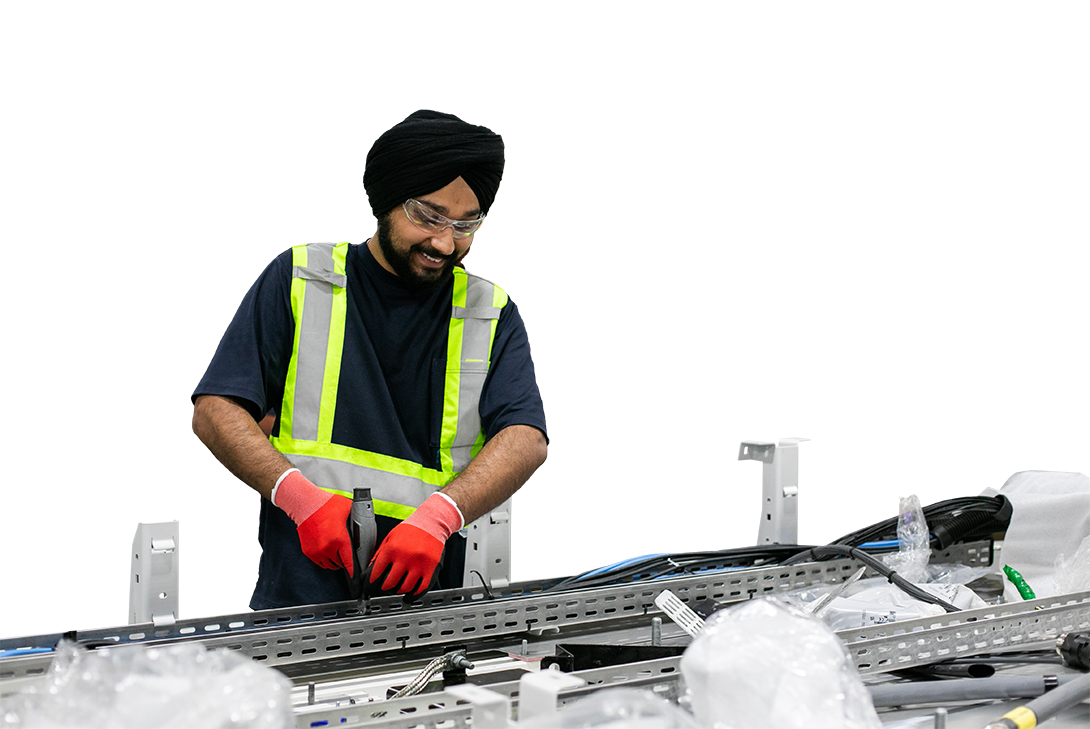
644,477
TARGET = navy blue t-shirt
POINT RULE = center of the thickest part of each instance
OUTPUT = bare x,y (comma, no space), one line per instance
389,399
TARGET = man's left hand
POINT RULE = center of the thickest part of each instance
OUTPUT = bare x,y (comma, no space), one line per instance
408,558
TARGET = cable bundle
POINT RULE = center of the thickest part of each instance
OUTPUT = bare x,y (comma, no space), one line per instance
952,521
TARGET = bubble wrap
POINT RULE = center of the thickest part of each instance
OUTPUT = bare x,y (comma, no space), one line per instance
169,687
766,664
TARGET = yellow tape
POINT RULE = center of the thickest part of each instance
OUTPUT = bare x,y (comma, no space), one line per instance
1023,717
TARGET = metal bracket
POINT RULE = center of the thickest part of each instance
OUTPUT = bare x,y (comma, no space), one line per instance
539,692
779,488
488,549
153,591
490,710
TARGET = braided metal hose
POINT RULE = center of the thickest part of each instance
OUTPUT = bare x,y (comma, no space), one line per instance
446,662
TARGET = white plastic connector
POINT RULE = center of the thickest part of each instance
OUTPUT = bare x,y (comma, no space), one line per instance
680,613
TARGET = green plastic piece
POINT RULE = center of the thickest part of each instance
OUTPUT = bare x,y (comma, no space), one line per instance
1019,583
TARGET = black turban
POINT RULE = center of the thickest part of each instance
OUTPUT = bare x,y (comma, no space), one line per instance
427,152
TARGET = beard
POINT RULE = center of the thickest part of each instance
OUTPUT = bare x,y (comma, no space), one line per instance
399,253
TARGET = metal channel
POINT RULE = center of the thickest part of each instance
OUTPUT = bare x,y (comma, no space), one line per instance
441,710
971,553
482,623
334,631
919,642
903,645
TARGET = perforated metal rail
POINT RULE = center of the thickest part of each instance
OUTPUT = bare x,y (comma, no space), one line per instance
880,649
444,710
334,634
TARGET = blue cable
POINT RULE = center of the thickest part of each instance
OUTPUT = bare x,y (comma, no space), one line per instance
24,652
881,545
617,566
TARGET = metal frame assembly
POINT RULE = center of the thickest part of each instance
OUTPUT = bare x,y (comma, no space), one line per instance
348,666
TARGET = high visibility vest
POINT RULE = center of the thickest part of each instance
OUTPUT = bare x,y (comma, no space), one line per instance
318,303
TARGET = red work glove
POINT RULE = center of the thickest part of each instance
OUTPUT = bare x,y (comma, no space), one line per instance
407,558
321,518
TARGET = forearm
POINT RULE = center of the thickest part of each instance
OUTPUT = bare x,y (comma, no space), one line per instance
236,440
504,464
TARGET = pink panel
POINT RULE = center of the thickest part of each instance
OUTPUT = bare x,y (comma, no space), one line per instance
789,223
108,450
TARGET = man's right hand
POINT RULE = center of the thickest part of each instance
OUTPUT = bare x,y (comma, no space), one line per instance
321,519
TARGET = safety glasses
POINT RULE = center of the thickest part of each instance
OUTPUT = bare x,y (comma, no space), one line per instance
429,221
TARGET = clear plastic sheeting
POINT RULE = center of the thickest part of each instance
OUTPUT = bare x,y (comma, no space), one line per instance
170,687
1072,574
958,574
620,708
767,664
875,601
914,550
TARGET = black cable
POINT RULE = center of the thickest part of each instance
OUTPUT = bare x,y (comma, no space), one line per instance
831,550
949,521
685,563
954,520
484,584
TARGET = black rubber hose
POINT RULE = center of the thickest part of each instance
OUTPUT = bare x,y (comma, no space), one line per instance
949,670
968,523
963,689
832,550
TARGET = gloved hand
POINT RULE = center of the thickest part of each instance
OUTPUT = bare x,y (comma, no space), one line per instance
407,559
321,518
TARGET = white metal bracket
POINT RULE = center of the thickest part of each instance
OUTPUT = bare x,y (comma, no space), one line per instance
488,549
779,488
153,591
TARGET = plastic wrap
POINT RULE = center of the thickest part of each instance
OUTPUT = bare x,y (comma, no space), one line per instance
914,551
956,574
766,664
621,708
1073,575
875,601
172,687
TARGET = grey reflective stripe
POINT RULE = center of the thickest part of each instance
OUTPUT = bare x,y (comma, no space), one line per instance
480,312
344,476
478,315
313,340
337,279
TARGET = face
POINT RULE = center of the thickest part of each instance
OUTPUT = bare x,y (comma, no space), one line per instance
415,255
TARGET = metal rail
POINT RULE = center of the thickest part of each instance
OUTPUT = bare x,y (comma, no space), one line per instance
441,709
338,636
881,649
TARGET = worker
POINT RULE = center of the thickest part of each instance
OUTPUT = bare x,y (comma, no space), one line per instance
383,365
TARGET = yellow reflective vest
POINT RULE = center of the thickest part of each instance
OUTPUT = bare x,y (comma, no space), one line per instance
318,303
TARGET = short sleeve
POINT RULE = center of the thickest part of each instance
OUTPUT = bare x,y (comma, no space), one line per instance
510,395
251,361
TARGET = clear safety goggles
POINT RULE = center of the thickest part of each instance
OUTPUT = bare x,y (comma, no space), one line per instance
429,221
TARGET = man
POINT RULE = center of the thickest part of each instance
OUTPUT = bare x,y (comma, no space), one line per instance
382,365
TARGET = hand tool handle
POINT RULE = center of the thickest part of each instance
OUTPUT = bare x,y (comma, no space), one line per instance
364,533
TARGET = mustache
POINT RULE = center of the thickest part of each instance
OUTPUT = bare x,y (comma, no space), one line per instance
433,253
